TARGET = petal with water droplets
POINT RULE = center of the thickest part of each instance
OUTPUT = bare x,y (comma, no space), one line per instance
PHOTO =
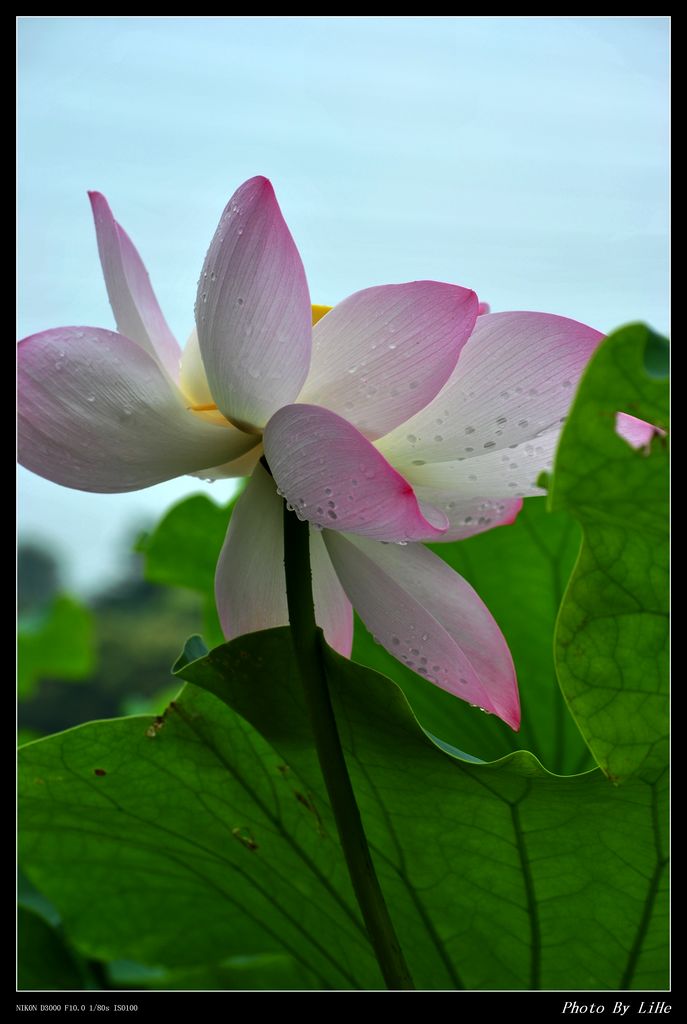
429,618
336,478
513,383
384,353
253,311
97,413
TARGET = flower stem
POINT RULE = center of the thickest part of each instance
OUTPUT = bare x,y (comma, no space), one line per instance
307,644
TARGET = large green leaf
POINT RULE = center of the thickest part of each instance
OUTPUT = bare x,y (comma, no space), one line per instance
520,572
204,840
56,643
612,633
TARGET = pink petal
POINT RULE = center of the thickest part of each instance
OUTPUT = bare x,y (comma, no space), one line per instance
469,516
97,413
428,617
514,382
136,310
253,310
637,433
250,586
334,477
512,473
384,353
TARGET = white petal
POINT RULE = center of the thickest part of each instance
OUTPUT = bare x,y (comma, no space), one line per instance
250,584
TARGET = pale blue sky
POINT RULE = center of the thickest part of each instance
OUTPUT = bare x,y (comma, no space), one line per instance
523,157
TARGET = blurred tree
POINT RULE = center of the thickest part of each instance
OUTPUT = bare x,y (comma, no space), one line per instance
139,630
38,576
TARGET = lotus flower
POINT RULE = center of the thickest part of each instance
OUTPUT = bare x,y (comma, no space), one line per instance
407,413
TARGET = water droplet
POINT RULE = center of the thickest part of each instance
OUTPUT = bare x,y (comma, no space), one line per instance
392,344
469,430
513,483
91,398
438,437
354,482
316,526
327,491
413,384
468,519
465,683
425,636
567,383
414,650
472,477
436,668
239,301
489,444
513,465
411,438
403,543
289,506
523,423
213,276
331,513
395,641
502,419
418,462
59,365
332,504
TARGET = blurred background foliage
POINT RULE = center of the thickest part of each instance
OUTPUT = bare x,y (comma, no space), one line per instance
79,662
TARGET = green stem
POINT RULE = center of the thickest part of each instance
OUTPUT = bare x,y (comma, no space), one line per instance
307,644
